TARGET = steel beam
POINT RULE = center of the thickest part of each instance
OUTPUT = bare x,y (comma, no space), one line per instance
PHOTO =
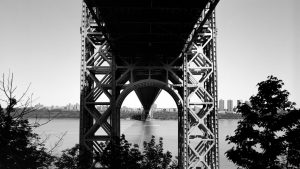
200,99
99,121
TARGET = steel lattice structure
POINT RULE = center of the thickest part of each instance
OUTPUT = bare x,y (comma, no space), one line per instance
124,48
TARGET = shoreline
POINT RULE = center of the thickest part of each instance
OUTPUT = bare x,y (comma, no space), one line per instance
164,115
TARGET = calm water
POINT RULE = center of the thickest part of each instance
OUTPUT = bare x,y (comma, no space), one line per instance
136,132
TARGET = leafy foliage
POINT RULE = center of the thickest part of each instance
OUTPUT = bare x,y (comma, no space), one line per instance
293,143
130,157
268,129
20,148
127,156
69,158
155,157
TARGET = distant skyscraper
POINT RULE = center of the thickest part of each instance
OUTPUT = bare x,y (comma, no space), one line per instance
221,105
229,105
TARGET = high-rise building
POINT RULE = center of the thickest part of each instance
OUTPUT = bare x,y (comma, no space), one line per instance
221,105
230,105
77,106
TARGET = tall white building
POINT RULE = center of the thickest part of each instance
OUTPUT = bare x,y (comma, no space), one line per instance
230,105
221,105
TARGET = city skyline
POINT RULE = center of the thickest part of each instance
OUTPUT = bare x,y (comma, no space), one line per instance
221,105
42,47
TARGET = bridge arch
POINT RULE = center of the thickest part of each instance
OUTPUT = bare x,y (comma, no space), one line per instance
167,87
149,83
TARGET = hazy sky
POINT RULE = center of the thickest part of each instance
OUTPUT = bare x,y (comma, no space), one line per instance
40,44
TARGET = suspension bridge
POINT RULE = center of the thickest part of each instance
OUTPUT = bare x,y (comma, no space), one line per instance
147,46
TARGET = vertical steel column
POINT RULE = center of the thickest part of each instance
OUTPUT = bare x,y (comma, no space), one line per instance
215,90
99,120
200,98
82,70
185,113
85,118
115,117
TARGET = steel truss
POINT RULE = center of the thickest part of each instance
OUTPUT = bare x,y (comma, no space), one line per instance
105,84
97,84
200,98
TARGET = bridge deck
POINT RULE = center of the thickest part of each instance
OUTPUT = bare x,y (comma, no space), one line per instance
148,28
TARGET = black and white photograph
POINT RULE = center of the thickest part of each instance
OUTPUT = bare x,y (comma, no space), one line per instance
149,84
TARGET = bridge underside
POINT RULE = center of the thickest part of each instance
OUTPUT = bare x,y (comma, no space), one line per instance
146,46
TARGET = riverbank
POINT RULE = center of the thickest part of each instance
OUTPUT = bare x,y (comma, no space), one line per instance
229,116
160,115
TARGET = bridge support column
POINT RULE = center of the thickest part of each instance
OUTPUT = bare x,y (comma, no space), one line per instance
199,118
99,117
145,114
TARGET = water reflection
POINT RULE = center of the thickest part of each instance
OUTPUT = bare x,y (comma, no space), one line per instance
148,130
140,131
226,127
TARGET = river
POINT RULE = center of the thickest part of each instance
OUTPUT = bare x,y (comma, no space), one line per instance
135,132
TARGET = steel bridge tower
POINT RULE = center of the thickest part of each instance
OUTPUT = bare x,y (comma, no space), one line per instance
146,46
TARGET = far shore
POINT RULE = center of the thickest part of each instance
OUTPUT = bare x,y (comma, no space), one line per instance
161,115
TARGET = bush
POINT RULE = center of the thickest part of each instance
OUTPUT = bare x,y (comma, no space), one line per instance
69,158
126,156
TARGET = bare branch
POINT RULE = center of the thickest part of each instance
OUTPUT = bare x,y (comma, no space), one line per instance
24,93
45,139
11,85
57,144
4,100
3,86
50,118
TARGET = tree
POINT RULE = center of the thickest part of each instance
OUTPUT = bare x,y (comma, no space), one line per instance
292,137
128,156
20,148
69,158
264,135
155,158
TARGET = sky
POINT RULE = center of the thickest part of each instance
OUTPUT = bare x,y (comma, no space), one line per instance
40,44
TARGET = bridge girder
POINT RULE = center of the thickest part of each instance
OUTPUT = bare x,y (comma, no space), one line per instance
106,76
